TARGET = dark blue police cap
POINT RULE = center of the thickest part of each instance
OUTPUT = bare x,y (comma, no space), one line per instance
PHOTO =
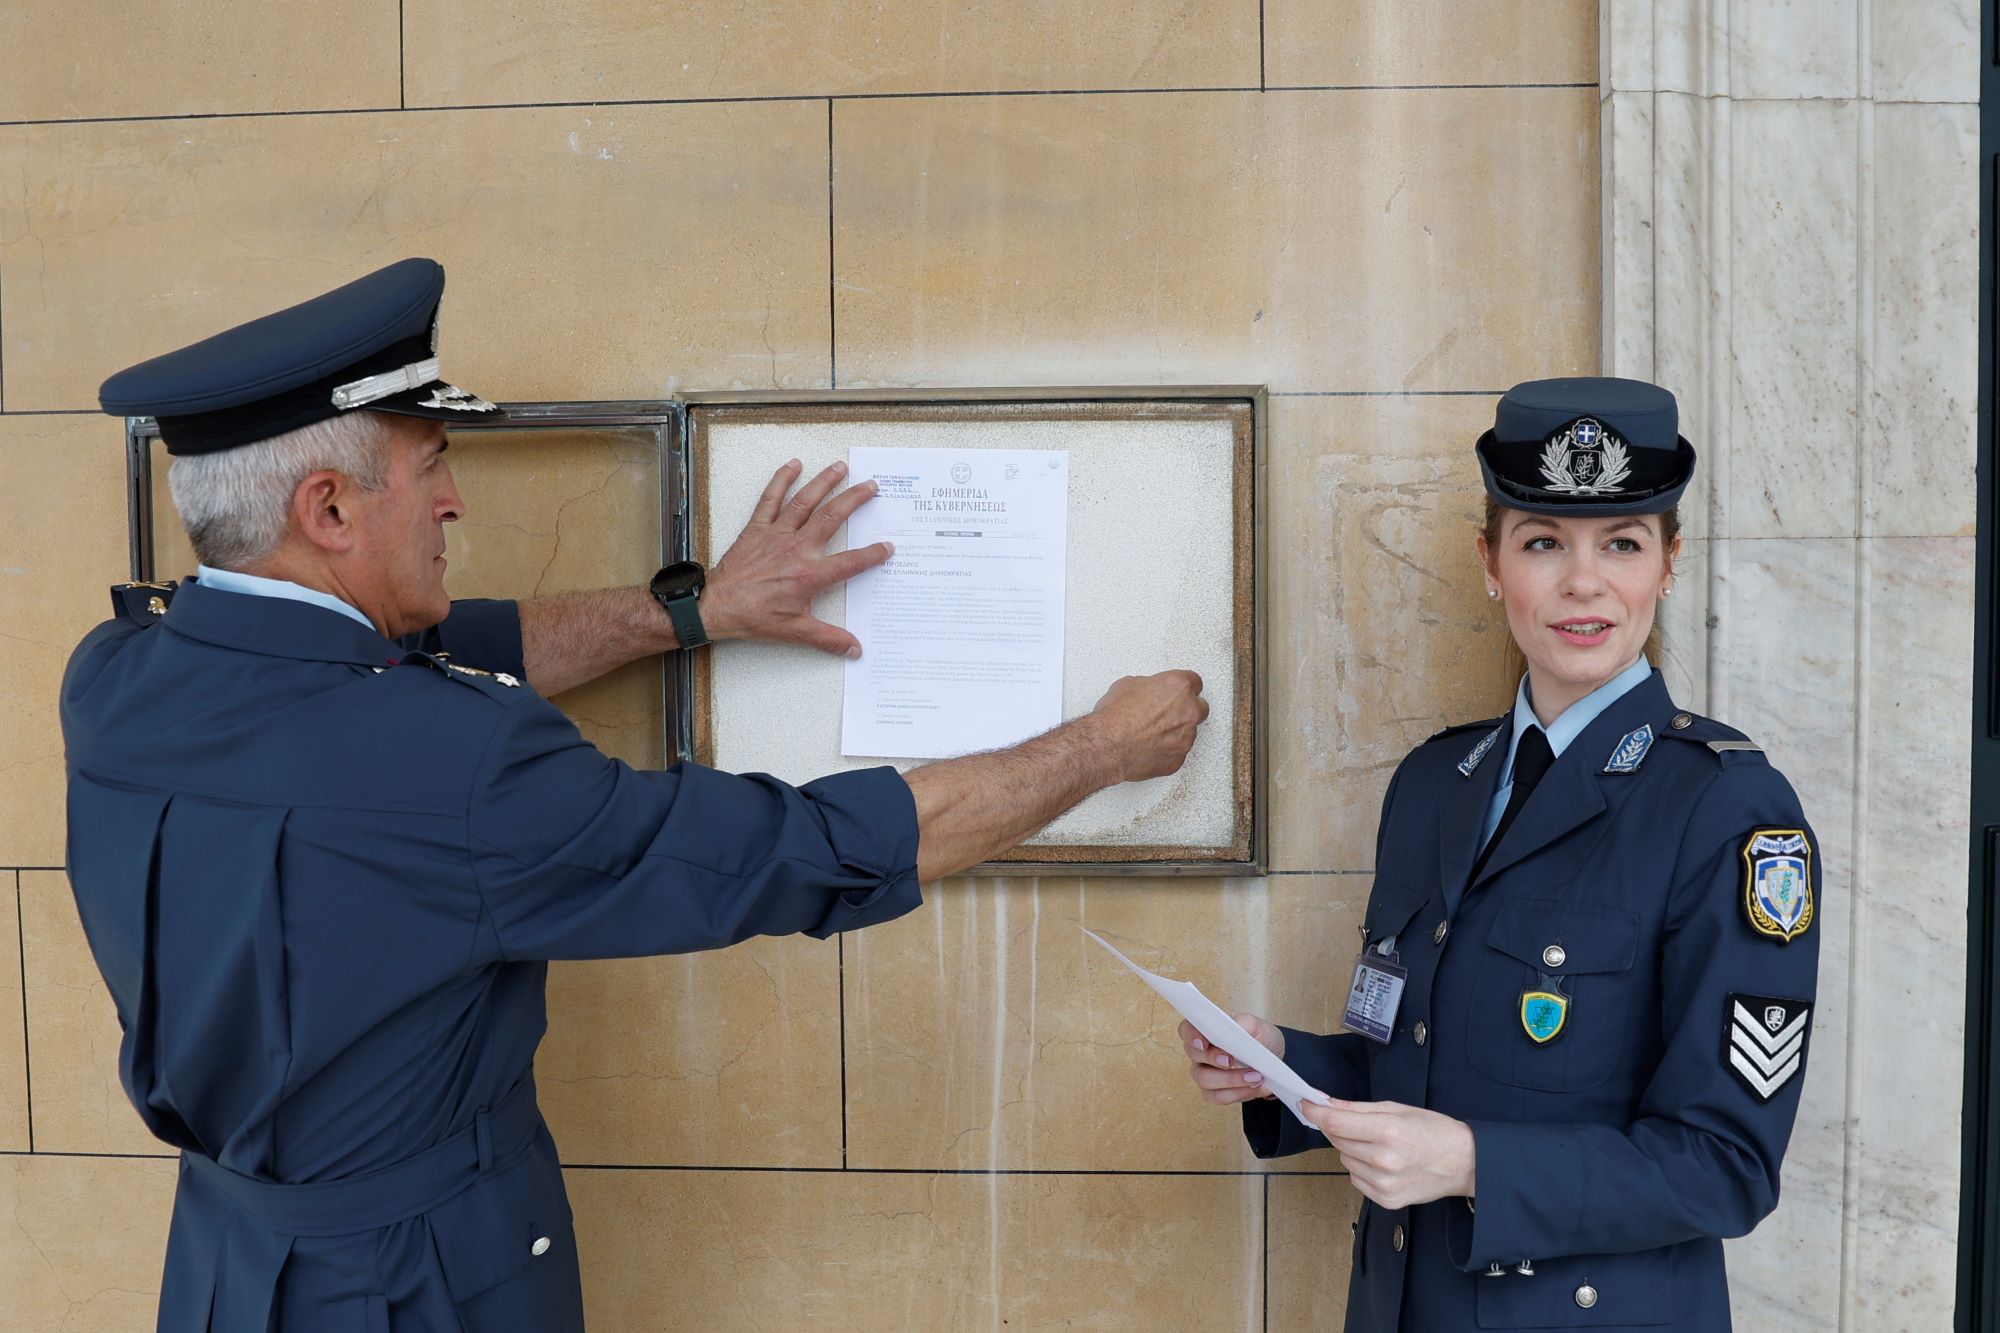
1586,447
372,344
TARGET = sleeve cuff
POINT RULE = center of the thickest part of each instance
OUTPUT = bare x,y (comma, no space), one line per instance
871,824
1513,1217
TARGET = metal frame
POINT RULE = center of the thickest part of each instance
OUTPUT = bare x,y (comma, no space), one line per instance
668,417
1978,1304
1253,394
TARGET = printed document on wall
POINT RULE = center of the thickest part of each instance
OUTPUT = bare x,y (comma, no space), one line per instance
962,630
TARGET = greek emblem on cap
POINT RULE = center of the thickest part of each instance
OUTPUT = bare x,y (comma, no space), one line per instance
1543,1014
1777,883
1585,459
457,399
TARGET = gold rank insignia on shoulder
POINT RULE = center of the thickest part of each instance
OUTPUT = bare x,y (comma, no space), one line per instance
1777,882
501,677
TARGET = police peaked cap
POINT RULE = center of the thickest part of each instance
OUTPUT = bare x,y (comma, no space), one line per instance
370,344
1587,447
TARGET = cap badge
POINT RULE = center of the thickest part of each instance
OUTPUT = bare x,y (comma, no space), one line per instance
1585,459
457,399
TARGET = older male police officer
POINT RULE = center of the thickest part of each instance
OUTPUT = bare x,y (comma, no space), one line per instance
325,831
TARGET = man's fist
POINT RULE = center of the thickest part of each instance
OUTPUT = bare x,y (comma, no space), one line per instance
1151,722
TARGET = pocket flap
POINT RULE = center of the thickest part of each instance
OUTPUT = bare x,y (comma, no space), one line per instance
1390,907
1561,938
491,1230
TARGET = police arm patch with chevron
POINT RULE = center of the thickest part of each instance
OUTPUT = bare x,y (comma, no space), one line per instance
1765,1044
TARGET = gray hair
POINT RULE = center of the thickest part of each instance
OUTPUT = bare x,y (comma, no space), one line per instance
236,503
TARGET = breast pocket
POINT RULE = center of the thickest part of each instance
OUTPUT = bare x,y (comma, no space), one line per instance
1552,1006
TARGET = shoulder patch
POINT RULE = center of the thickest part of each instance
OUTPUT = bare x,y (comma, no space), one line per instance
1777,882
143,603
1631,751
1764,1041
1479,751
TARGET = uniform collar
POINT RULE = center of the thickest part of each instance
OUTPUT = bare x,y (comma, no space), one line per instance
1573,720
256,585
276,627
1568,797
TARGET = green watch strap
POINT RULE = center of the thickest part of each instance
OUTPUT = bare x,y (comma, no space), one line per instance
687,621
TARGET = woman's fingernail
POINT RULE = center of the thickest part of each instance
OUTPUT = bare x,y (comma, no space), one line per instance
855,651
1200,1045
839,467
1253,1077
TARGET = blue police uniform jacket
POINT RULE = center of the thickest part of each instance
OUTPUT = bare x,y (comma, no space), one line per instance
322,874
1612,1158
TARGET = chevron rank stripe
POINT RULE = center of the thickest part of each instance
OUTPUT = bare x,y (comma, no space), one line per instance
1764,1044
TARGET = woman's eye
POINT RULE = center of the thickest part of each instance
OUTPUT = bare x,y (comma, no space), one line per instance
1625,546
1541,544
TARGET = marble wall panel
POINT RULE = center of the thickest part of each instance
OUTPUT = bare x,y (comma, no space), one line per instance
501,52
97,58
1311,1239
1924,50
1627,133
1377,42
1793,282
1785,673
1380,632
1787,49
598,252
73,1032
14,1129
859,1250
1908,940
84,1243
988,1032
1290,238
729,1057
1919,420
62,544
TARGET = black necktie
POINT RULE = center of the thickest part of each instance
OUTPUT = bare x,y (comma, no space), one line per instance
1532,758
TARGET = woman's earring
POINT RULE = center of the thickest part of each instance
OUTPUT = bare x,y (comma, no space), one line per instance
1492,594
1667,591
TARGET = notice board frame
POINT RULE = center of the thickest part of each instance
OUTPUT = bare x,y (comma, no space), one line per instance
1247,851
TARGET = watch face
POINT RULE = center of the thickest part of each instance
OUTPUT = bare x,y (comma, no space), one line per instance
682,579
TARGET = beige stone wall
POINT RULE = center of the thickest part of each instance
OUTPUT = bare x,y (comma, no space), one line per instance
1386,211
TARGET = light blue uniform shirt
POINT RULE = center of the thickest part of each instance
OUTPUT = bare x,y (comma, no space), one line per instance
1560,732
230,580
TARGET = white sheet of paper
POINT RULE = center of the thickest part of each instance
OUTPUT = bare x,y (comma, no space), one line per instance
962,631
1226,1033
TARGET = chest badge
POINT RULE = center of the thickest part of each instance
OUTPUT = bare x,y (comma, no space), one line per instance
1777,883
1544,1014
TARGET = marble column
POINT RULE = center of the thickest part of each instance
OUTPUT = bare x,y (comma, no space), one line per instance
1791,209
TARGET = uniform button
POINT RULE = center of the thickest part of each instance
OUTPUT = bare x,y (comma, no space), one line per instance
1526,1268
1422,1033
1554,956
541,1247
1396,1239
1444,929
1496,1271
1681,722
1586,1295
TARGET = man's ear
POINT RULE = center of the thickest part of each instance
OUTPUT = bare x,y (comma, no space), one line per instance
319,511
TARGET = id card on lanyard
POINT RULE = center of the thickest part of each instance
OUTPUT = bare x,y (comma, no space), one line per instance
1376,992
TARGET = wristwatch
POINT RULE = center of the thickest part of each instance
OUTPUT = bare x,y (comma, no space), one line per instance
677,588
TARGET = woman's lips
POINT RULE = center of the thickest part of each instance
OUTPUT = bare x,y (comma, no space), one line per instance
1583,633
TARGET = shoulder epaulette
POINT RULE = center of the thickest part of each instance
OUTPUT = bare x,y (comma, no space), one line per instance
1485,724
494,684
1719,737
142,603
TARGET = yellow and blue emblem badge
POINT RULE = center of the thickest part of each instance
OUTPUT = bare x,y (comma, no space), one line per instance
1777,882
1543,1013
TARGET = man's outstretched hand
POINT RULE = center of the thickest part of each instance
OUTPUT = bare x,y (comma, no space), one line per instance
765,583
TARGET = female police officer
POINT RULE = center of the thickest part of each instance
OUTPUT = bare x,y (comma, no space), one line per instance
1576,1030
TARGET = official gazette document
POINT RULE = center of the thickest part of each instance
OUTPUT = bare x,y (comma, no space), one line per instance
962,630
